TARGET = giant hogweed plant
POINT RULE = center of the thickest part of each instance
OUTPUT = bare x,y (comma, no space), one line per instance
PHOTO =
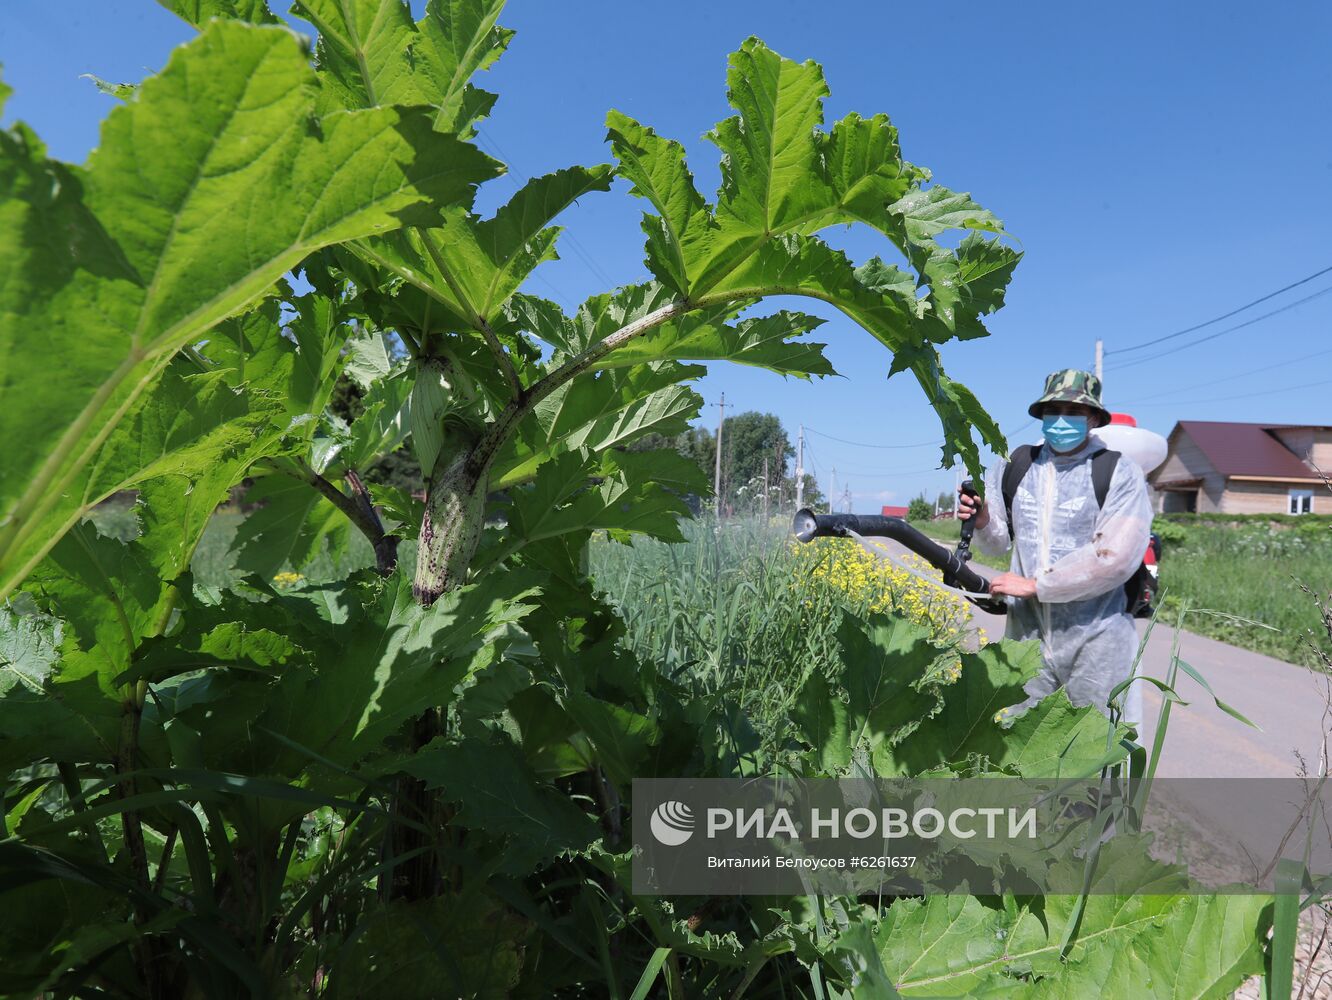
414,779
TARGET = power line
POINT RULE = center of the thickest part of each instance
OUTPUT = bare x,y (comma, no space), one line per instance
1218,319
569,237
890,475
1221,333
896,447
1246,395
1230,378
862,444
1015,433
814,465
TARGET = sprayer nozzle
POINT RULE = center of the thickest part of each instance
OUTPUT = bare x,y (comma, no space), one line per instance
804,525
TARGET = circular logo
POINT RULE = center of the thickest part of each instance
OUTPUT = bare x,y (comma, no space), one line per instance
672,823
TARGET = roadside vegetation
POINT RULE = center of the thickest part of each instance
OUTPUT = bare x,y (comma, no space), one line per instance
1249,570
948,530
743,609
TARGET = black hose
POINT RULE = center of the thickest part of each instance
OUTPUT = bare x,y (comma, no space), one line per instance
807,526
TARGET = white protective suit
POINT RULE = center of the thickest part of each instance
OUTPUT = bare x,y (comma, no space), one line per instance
1080,556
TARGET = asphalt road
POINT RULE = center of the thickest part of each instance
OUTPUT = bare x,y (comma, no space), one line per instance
1289,703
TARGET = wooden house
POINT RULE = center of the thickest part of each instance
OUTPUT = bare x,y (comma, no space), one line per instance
1230,468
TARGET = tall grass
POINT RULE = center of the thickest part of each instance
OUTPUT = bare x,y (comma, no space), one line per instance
743,610
1253,571
214,562
732,609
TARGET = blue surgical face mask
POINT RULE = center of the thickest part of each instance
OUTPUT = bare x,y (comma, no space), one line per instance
1064,432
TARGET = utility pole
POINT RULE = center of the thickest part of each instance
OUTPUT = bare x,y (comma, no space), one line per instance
800,468
765,489
1100,357
832,492
716,478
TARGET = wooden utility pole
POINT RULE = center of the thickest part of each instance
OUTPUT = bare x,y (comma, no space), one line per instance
716,477
800,469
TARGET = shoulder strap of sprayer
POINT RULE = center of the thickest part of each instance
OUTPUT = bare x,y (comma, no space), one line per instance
1103,469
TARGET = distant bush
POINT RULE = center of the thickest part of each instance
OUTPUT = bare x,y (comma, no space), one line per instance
1170,532
1295,520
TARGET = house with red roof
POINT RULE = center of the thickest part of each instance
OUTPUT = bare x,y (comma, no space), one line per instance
894,511
1230,468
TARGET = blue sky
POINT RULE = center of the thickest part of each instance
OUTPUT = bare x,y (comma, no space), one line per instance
1159,164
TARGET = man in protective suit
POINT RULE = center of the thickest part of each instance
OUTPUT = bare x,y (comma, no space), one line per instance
1071,554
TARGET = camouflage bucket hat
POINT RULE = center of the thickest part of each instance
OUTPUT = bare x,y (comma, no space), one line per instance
1070,385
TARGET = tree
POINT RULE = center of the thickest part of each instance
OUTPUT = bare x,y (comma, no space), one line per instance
748,439
945,501
919,509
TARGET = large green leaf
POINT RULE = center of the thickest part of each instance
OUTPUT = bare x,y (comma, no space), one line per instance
925,213
621,738
784,179
950,946
388,662
199,12
907,726
881,665
292,522
607,410
471,266
188,440
991,679
201,194
1053,739
1126,946
109,593
1202,947
656,168
771,176
965,285
866,172
459,38
320,335
761,341
621,492
501,796
33,723
371,53
364,51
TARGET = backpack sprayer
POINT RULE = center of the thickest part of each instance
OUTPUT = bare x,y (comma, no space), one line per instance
956,573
